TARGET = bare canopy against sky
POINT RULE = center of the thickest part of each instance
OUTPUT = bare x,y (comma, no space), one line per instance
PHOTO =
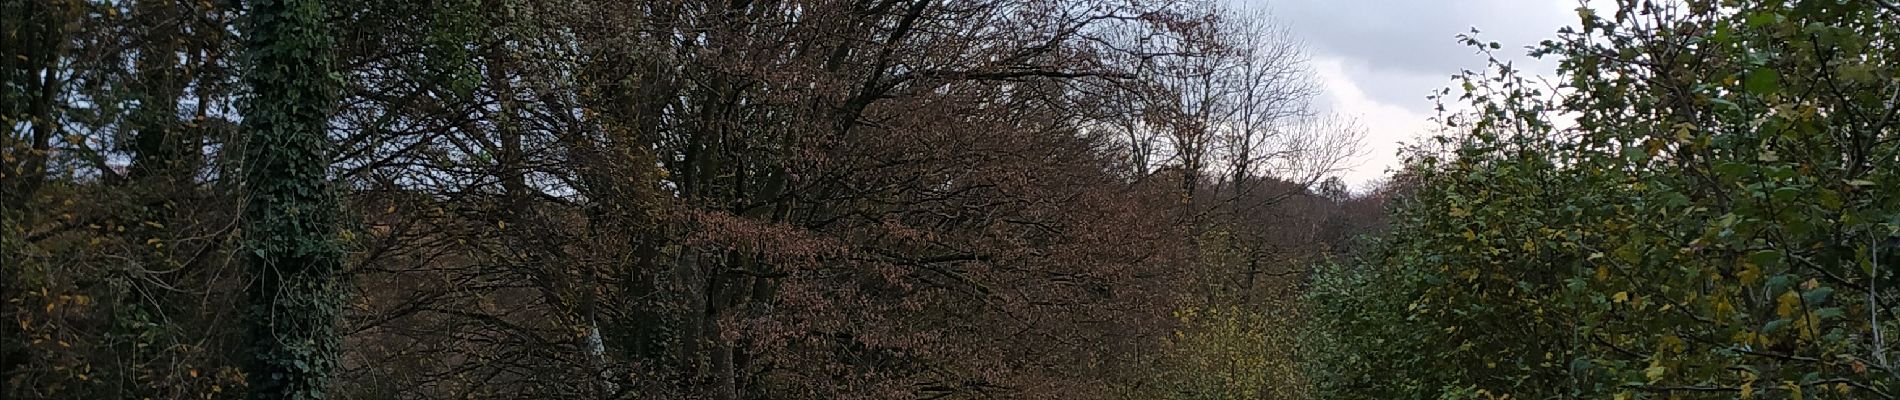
1377,59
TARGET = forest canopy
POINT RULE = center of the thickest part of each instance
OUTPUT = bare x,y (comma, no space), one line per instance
932,199
657,199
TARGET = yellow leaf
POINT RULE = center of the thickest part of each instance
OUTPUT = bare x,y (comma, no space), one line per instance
1787,304
1655,373
1672,343
1749,274
1620,297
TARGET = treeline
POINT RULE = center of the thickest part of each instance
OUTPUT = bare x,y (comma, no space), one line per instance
1705,203
660,199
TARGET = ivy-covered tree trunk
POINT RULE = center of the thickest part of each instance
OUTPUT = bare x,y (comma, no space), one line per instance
291,216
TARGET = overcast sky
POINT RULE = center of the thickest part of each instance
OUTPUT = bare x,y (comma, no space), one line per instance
1378,59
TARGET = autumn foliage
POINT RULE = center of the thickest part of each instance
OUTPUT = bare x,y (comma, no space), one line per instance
662,199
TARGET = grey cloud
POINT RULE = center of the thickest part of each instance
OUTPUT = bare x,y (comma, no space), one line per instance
1400,50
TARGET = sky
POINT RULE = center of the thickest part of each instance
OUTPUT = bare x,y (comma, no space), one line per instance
1377,59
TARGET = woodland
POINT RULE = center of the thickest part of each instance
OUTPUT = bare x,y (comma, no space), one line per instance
933,199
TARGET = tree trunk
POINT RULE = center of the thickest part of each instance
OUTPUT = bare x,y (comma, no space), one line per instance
290,221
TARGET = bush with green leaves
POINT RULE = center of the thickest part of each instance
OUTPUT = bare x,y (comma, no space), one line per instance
1700,206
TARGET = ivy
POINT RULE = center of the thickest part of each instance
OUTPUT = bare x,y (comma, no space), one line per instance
290,222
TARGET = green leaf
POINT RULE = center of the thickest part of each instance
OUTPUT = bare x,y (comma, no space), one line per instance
1765,258
1829,313
1775,325
1817,295
1579,365
1762,81
1779,282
